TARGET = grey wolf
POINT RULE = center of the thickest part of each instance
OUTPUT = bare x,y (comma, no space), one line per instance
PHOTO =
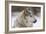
25,18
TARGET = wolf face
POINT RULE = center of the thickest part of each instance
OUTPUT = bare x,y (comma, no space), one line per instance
29,16
25,18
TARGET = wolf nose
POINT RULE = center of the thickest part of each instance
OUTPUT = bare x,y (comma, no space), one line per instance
35,21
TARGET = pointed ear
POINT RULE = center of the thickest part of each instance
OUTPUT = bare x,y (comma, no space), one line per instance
22,12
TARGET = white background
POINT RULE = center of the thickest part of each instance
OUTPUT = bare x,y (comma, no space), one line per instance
2,17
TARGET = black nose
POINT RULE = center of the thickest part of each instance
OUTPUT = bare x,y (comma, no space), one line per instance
35,21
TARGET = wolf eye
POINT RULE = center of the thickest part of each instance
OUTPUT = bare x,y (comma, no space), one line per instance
30,16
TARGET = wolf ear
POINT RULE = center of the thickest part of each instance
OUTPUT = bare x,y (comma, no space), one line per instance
22,12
